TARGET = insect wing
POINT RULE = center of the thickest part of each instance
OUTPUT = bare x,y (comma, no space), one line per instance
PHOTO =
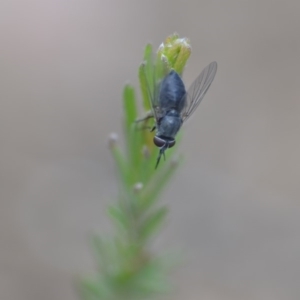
198,89
153,87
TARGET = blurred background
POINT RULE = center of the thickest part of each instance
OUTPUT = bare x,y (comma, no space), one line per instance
234,204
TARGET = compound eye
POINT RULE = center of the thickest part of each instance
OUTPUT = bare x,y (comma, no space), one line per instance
172,143
159,142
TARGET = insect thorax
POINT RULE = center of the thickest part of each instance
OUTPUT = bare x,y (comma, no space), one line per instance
169,124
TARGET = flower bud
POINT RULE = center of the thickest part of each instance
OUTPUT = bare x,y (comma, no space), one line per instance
175,52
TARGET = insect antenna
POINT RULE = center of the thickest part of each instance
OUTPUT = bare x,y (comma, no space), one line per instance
161,152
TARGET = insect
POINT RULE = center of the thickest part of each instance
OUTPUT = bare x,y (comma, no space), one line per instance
171,104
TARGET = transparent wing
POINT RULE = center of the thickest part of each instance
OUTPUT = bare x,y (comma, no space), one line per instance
153,87
198,89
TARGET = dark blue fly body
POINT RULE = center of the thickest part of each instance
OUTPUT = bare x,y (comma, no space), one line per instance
172,101
172,105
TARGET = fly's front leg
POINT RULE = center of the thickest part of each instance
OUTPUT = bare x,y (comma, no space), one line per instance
145,119
148,115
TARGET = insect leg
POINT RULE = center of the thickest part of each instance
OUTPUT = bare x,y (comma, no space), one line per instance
146,117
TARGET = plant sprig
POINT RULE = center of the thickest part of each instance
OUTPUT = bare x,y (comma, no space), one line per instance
127,269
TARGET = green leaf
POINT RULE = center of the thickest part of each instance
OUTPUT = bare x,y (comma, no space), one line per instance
152,278
150,194
94,290
121,163
134,136
145,87
146,76
118,216
100,250
130,108
152,223
131,135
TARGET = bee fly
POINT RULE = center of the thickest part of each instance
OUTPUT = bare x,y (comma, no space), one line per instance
171,104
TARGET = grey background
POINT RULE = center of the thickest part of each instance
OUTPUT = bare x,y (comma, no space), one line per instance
235,202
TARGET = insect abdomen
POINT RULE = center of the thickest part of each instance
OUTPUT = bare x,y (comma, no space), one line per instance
172,92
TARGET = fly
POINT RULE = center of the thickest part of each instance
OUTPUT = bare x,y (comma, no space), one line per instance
172,105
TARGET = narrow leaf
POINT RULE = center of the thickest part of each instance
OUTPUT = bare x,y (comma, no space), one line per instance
121,163
117,215
93,290
152,223
130,108
146,76
151,193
